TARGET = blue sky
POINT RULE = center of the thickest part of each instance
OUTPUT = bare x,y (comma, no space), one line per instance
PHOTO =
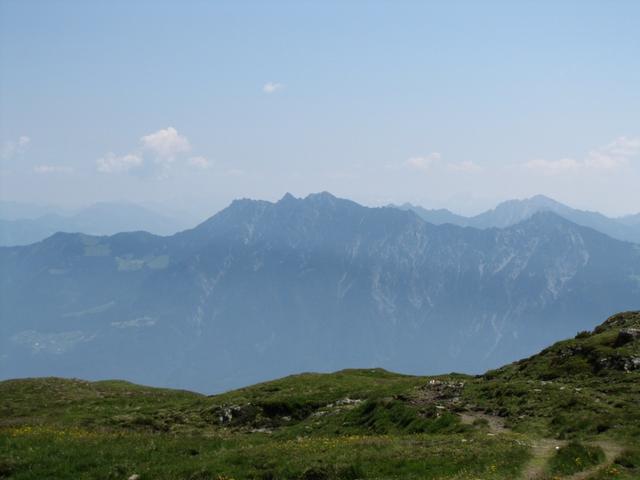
191,104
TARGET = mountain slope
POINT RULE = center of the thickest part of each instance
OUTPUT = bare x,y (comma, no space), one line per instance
263,289
585,385
437,216
633,220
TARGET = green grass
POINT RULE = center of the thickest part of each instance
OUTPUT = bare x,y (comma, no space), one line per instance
575,457
575,389
51,453
346,425
389,416
106,404
625,467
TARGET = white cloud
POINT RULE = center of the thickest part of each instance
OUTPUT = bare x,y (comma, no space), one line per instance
166,143
424,163
157,155
433,161
610,157
464,167
200,162
272,87
46,169
624,147
613,155
553,166
112,163
602,160
13,148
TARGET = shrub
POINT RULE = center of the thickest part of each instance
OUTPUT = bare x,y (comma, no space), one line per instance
575,457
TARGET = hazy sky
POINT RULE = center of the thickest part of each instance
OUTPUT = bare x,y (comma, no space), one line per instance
194,103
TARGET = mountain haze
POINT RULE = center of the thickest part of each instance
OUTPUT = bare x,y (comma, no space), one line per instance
265,289
99,219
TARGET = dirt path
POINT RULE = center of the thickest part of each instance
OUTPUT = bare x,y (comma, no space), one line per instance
611,451
495,424
541,450
544,448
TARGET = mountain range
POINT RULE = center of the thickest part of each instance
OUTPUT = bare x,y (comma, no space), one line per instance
263,289
514,211
22,224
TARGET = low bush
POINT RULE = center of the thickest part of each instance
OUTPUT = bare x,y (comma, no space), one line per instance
575,457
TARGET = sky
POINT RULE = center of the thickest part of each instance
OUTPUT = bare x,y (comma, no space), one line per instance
189,105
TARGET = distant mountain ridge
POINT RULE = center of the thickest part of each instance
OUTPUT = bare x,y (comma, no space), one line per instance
98,219
514,211
23,224
263,289
631,219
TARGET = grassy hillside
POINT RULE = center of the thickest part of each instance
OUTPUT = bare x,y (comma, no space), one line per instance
573,409
586,386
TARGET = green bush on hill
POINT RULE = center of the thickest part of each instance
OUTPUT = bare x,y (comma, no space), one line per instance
575,457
